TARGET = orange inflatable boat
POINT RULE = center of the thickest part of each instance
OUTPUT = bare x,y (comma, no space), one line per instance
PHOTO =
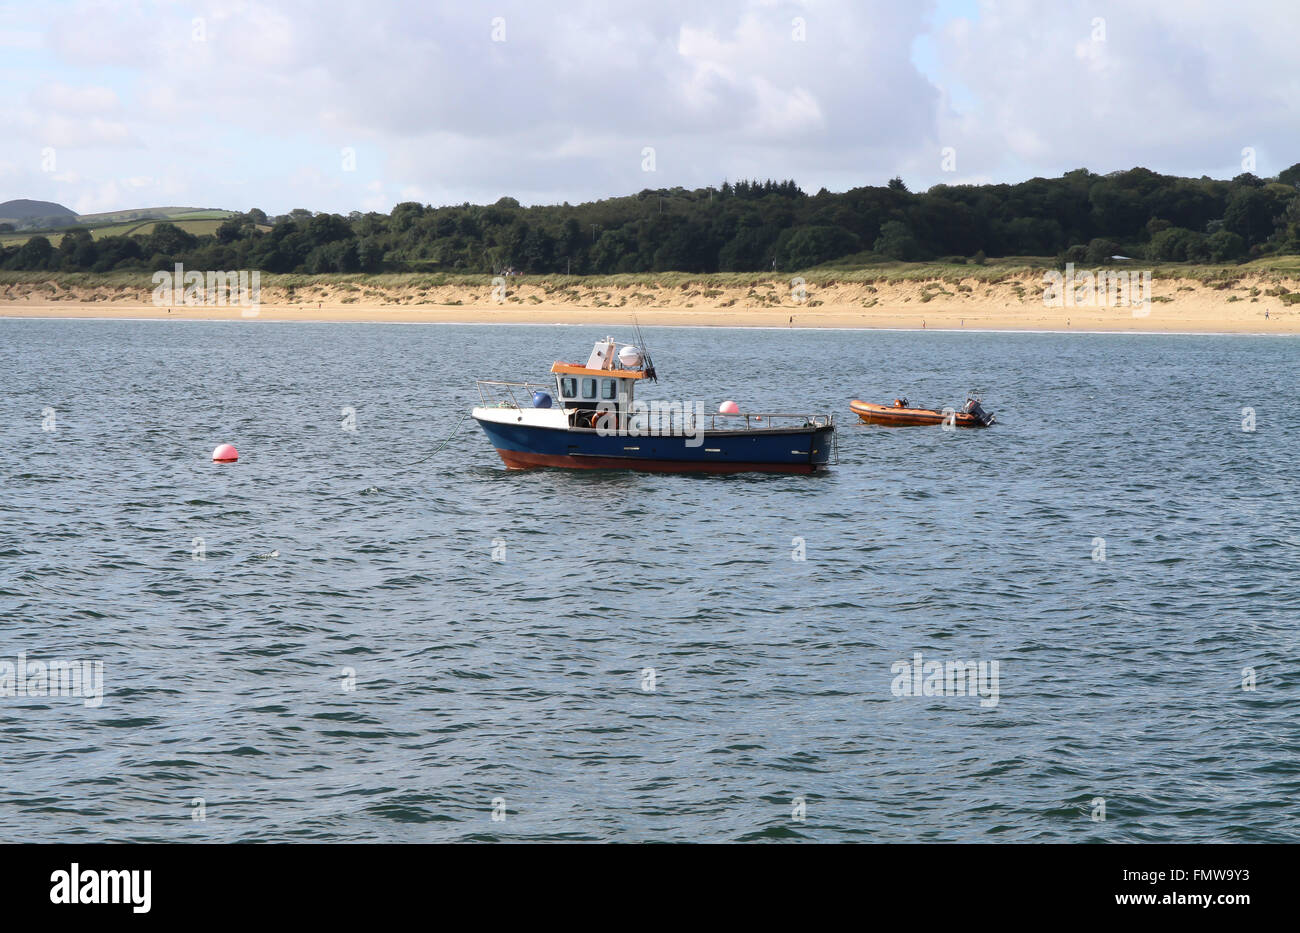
900,415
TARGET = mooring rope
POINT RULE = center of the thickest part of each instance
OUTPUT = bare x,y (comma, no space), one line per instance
445,442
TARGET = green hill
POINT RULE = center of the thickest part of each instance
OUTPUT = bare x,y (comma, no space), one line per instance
23,211
153,213
141,220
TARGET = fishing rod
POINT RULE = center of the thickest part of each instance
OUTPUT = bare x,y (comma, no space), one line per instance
649,366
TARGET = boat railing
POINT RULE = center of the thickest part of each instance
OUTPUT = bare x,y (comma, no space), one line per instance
495,393
722,421
768,419
676,422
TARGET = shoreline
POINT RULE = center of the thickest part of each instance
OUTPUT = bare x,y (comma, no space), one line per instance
615,324
939,317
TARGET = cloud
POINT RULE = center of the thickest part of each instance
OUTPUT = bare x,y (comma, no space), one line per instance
1174,86
244,102
19,39
93,100
74,132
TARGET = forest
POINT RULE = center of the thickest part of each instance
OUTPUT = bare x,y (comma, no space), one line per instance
742,226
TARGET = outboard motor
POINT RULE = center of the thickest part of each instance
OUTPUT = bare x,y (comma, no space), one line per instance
973,407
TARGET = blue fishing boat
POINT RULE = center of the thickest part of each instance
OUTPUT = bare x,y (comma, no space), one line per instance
590,419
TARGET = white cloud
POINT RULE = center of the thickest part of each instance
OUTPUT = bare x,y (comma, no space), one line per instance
20,39
1174,86
257,111
77,132
94,100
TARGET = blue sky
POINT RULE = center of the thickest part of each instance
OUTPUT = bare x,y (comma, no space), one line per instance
926,55
338,106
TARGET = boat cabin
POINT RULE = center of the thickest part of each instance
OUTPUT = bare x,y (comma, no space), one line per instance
603,384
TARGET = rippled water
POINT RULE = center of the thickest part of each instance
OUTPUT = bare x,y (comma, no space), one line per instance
523,681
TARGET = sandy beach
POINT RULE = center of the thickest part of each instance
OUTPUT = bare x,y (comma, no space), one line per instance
1177,305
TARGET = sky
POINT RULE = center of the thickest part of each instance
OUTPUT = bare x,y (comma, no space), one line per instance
338,105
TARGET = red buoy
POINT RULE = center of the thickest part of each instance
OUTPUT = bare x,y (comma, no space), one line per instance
225,453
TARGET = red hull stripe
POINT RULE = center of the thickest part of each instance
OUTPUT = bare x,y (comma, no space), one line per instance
516,460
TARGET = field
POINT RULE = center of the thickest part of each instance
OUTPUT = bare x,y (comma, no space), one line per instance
198,221
147,213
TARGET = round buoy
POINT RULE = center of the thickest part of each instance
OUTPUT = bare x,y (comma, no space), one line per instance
225,453
728,408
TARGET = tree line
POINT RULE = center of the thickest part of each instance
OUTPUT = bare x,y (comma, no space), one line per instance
745,226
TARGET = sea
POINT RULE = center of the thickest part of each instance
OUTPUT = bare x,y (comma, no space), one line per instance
1080,625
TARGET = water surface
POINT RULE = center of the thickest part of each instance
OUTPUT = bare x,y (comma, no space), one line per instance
521,680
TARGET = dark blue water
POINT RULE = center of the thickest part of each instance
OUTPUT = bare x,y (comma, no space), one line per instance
522,681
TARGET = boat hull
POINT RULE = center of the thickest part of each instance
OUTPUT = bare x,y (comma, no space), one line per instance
888,417
785,450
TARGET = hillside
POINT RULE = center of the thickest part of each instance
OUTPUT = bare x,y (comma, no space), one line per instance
21,209
152,213
200,221
740,227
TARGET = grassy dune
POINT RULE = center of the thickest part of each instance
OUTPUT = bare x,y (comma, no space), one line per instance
1276,269
1257,297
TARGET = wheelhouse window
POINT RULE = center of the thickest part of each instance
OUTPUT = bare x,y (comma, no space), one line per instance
589,388
569,387
609,389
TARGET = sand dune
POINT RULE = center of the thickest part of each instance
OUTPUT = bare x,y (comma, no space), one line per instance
1014,303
